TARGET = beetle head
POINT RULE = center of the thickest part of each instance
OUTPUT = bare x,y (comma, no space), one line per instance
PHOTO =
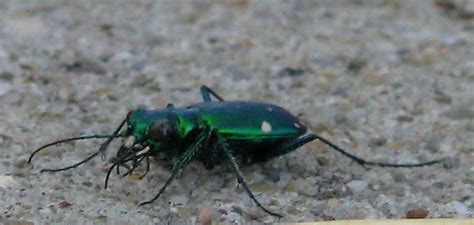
152,125
161,129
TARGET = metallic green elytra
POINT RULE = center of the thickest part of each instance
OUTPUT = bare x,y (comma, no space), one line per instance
213,132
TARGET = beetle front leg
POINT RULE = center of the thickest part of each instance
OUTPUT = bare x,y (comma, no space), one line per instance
206,93
120,161
147,168
222,143
183,161
104,145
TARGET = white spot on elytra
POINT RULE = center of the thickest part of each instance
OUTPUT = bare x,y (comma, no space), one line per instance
266,127
269,109
297,125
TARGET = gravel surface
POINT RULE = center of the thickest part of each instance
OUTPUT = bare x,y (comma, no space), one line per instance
387,80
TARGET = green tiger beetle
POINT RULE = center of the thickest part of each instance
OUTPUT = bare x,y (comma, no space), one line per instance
214,132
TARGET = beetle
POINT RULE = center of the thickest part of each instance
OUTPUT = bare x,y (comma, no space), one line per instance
213,132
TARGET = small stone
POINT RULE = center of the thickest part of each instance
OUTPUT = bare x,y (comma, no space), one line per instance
460,208
323,161
426,56
459,113
7,76
174,210
291,72
356,64
265,187
418,213
17,148
405,118
204,216
64,204
21,163
450,162
7,181
237,209
327,217
5,139
179,199
273,174
3,55
223,211
333,203
432,141
5,88
357,186
18,222
377,142
375,186
87,183
443,99
306,186
252,216
27,28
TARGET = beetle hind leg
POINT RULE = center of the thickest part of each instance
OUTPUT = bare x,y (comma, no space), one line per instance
206,93
364,162
293,144
288,146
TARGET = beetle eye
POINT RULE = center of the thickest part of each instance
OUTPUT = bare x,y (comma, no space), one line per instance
159,130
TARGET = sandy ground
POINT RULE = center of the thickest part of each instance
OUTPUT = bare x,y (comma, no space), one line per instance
388,80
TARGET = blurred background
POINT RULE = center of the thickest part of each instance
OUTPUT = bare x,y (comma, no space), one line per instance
387,80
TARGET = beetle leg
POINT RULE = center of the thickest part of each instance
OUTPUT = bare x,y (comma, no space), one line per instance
222,143
362,161
120,161
288,146
206,93
147,167
137,158
104,145
136,163
123,151
183,161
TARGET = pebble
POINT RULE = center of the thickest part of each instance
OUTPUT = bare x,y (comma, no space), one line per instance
3,56
18,222
358,186
377,141
204,216
5,88
307,186
7,182
27,27
460,208
179,199
64,204
459,113
418,213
